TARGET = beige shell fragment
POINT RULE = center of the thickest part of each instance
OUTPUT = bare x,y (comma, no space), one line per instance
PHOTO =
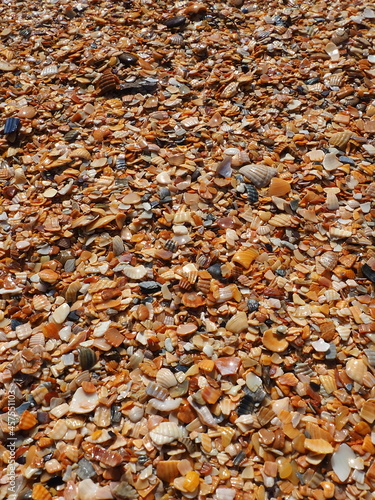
81,153
82,402
260,175
135,272
166,433
238,323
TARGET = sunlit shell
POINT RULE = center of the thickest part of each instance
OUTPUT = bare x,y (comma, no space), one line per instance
329,383
191,481
368,411
27,421
166,378
274,342
135,272
157,391
58,431
19,176
370,353
356,369
332,202
40,492
210,395
192,121
191,272
72,453
166,433
87,358
260,175
36,340
108,82
281,220
72,291
118,245
340,139
336,232
83,402
81,153
193,300
265,415
320,446
245,257
224,294
167,405
229,91
167,470
279,187
329,260
237,323
344,332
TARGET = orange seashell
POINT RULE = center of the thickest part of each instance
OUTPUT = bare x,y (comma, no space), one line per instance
27,421
320,446
279,187
48,275
341,139
288,379
191,481
80,153
114,337
193,300
88,387
274,342
210,395
245,257
206,365
40,492
51,330
108,82
167,470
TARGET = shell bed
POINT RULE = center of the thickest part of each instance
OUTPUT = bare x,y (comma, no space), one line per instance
187,250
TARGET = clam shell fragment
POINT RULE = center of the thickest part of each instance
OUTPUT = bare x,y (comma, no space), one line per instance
260,175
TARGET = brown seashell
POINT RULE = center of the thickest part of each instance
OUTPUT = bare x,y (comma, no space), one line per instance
88,387
368,411
167,470
114,337
37,340
279,187
108,82
260,175
245,257
356,369
72,290
193,300
210,395
320,446
229,91
237,323
81,153
27,421
118,245
281,220
41,303
48,275
340,139
87,358
40,492
328,260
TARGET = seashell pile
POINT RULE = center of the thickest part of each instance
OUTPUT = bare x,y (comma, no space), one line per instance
187,250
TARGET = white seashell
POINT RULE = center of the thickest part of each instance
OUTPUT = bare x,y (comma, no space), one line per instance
329,260
192,121
340,461
59,430
60,314
344,332
83,402
118,245
330,162
166,433
135,272
223,493
166,378
332,202
356,369
335,232
253,382
50,70
168,405
370,353
331,295
157,391
136,413
260,175
320,345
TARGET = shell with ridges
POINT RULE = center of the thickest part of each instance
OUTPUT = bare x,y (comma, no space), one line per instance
165,378
260,175
166,432
135,272
340,139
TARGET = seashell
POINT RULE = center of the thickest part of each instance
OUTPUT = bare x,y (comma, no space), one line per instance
260,175
182,215
344,332
280,220
48,275
8,172
341,460
332,295
11,126
329,383
210,394
72,290
335,80
136,413
370,353
135,272
229,292
245,257
330,162
224,168
193,300
190,122
356,369
81,153
329,260
27,421
87,358
118,245
265,415
191,481
108,82
367,411
279,187
60,314
228,365
72,453
191,272
229,91
157,391
336,232
175,22
341,139
50,70
37,340
274,342
59,430
19,176
203,412
167,470
83,402
167,432
252,193
176,40
40,492
167,405
332,202
165,378
237,323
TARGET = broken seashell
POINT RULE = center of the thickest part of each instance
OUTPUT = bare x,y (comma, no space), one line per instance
245,257
274,342
340,139
83,402
166,378
167,432
135,272
356,369
237,323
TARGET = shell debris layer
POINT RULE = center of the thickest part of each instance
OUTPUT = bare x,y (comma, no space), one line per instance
187,253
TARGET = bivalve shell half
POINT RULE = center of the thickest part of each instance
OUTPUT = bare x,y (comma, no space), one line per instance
81,153
82,402
166,433
245,257
167,470
356,369
238,323
341,139
135,272
260,175
166,378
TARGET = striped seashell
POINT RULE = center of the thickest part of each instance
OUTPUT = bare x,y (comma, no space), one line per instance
191,272
165,378
204,413
329,260
37,340
191,121
229,292
19,176
118,245
58,431
336,232
237,323
108,82
182,215
341,139
72,453
167,470
72,291
135,272
344,332
103,284
332,295
167,432
50,70
316,87
245,257
263,230
260,175
370,353
329,383
87,358
229,91
335,80
157,391
40,492
81,153
6,173
281,220
167,405
370,190
176,39
304,369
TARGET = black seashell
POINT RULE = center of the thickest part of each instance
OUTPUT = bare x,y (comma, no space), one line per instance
368,272
252,193
149,286
12,125
87,358
175,22
240,457
215,271
253,305
71,136
127,59
170,245
246,405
